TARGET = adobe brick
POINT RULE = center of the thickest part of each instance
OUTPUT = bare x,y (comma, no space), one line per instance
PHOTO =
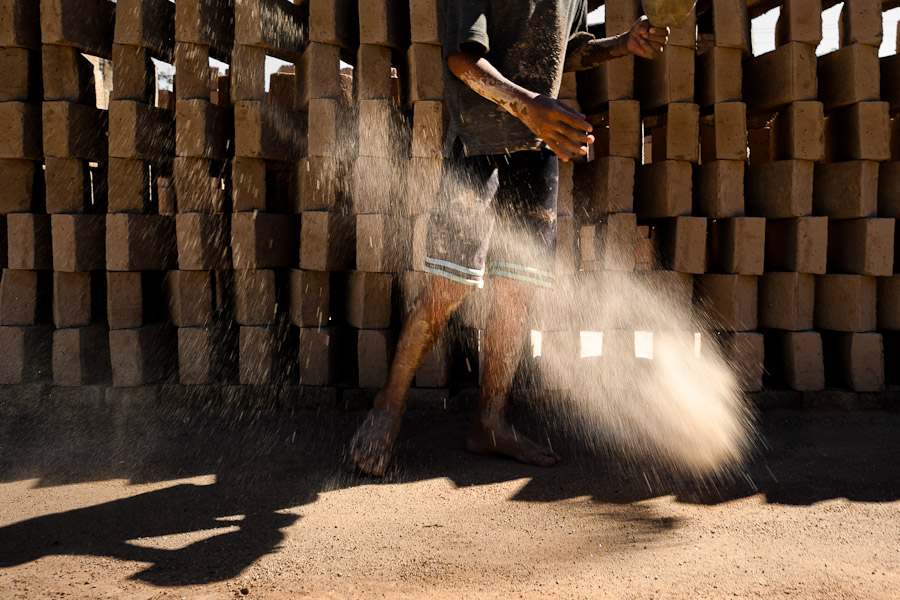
384,22
27,354
719,189
372,75
378,185
423,181
723,133
22,75
859,132
718,76
602,186
375,348
129,185
255,296
796,358
730,300
325,127
320,181
860,23
683,34
327,241
745,351
846,190
797,244
675,133
277,26
146,23
890,80
888,303
68,185
845,302
379,243
78,242
261,355
189,296
889,189
192,184
368,300
859,358
799,21
759,141
617,129
426,19
798,132
206,22
191,69
142,131
617,237
777,78
72,299
85,24
864,246
737,245
143,355
319,354
565,196
663,189
81,356
428,130
333,22
202,241
205,355
165,196
203,129
847,76
124,300
318,74
666,79
380,129
780,189
140,242
263,240
786,301
424,72
21,185
134,74
680,244
24,297
612,80
20,24
565,245
282,90
20,130
310,293
731,24
264,131
75,131
28,239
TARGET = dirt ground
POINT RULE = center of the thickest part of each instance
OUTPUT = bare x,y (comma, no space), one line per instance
133,499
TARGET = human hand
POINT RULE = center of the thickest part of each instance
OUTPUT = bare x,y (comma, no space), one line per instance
645,40
563,129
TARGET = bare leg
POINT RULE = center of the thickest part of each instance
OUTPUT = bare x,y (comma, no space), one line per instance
371,446
507,328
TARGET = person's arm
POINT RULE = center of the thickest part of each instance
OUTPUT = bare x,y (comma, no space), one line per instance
565,131
641,40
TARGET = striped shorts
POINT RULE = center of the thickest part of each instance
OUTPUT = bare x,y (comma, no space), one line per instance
495,215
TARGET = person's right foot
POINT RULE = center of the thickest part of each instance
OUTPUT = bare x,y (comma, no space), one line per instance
502,438
371,445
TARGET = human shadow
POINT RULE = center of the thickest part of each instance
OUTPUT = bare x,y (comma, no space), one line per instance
270,459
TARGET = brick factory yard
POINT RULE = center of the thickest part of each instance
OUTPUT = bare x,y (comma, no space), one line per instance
113,498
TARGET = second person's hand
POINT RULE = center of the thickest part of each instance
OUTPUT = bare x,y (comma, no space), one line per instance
563,129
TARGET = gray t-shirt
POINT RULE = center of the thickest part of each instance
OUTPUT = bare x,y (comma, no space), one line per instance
527,41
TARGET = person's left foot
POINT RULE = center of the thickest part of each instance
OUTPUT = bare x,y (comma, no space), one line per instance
503,439
371,445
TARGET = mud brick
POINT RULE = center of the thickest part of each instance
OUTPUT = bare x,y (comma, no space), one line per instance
798,132
310,293
248,180
663,189
277,25
372,76
20,24
21,70
318,355
21,185
680,244
424,74
75,131
75,296
319,183
666,79
81,356
147,24
860,23
377,185
723,134
375,348
745,351
889,189
890,80
617,236
602,186
261,355
78,242
143,355
192,185
675,133
68,184
20,130
206,22
204,355
263,240
565,204
368,300
864,246
731,24
786,301
731,300
613,80
27,355
380,129
759,140
140,242
718,76
124,300
797,244
192,66
282,90
857,359
326,241
780,189
255,296
719,189
203,129
318,74
777,78
799,21
621,15
85,24
134,74
426,21
189,296
737,245
28,239
129,185
334,22
325,120
141,131
67,75
845,302
847,76
264,131
428,130
202,241
888,305
795,357
384,22
846,190
24,297
859,132
435,370
423,181
618,129
379,243
165,196
684,34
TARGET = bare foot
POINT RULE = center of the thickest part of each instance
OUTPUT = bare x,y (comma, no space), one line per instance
503,439
371,445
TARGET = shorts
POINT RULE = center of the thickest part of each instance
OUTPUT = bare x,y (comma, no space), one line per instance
495,214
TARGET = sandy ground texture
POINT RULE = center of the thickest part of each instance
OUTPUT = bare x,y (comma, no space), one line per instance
102,499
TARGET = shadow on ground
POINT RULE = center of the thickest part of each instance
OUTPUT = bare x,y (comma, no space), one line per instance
267,461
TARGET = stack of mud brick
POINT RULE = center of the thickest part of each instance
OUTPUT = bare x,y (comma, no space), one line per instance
888,303
196,292
268,139
140,229
25,332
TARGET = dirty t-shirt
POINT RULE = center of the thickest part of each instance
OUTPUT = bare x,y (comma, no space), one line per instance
526,40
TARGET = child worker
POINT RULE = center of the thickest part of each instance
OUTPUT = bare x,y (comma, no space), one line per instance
495,210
